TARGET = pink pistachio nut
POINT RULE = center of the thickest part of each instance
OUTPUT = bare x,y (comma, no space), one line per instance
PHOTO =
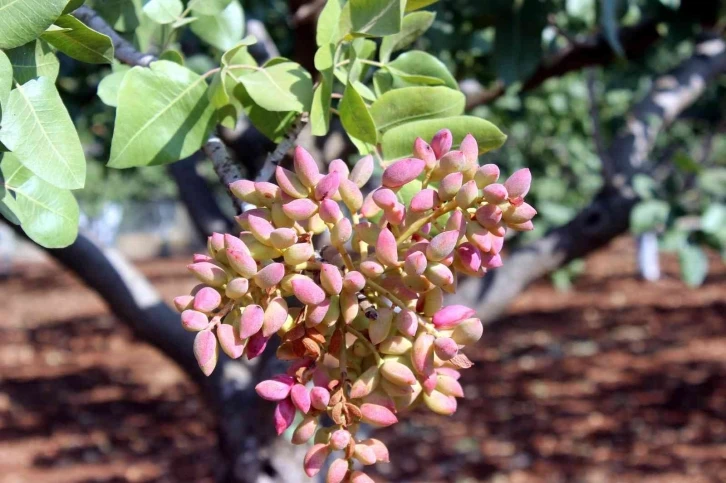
206,351
451,315
305,167
307,291
441,143
401,172
275,389
284,415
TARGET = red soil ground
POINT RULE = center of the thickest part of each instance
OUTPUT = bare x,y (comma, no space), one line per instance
618,380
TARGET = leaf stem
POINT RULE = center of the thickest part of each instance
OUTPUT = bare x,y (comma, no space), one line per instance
416,226
365,342
396,301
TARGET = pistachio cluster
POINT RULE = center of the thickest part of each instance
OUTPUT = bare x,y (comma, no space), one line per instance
366,331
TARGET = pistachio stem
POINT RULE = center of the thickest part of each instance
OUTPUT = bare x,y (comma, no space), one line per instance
418,224
396,301
366,342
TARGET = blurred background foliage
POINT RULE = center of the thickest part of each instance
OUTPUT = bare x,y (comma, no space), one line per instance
495,47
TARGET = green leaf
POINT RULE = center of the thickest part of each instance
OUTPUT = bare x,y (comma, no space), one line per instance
320,109
345,25
181,22
644,186
382,82
672,4
224,30
413,26
164,115
398,142
172,56
219,96
36,127
365,92
685,163
33,60
72,5
412,5
280,85
163,11
24,20
6,79
209,7
327,30
363,147
694,265
273,124
356,118
401,106
714,218
49,215
122,15
239,54
648,215
713,181
420,67
609,21
518,39
80,42
376,17
11,173
110,85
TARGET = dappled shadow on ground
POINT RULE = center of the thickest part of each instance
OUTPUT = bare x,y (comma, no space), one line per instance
618,380
82,401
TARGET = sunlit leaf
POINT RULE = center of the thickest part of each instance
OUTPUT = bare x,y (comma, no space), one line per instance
327,29
163,11
37,128
48,214
376,17
223,30
209,7
401,106
398,142
33,60
648,215
110,85
80,42
412,5
413,26
694,265
418,67
356,118
320,109
280,85
164,115
72,5
6,79
24,20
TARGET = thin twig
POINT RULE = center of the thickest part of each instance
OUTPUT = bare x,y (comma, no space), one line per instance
274,158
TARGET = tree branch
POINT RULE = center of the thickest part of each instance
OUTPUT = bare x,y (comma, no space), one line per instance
224,165
274,158
198,198
124,51
607,216
594,50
